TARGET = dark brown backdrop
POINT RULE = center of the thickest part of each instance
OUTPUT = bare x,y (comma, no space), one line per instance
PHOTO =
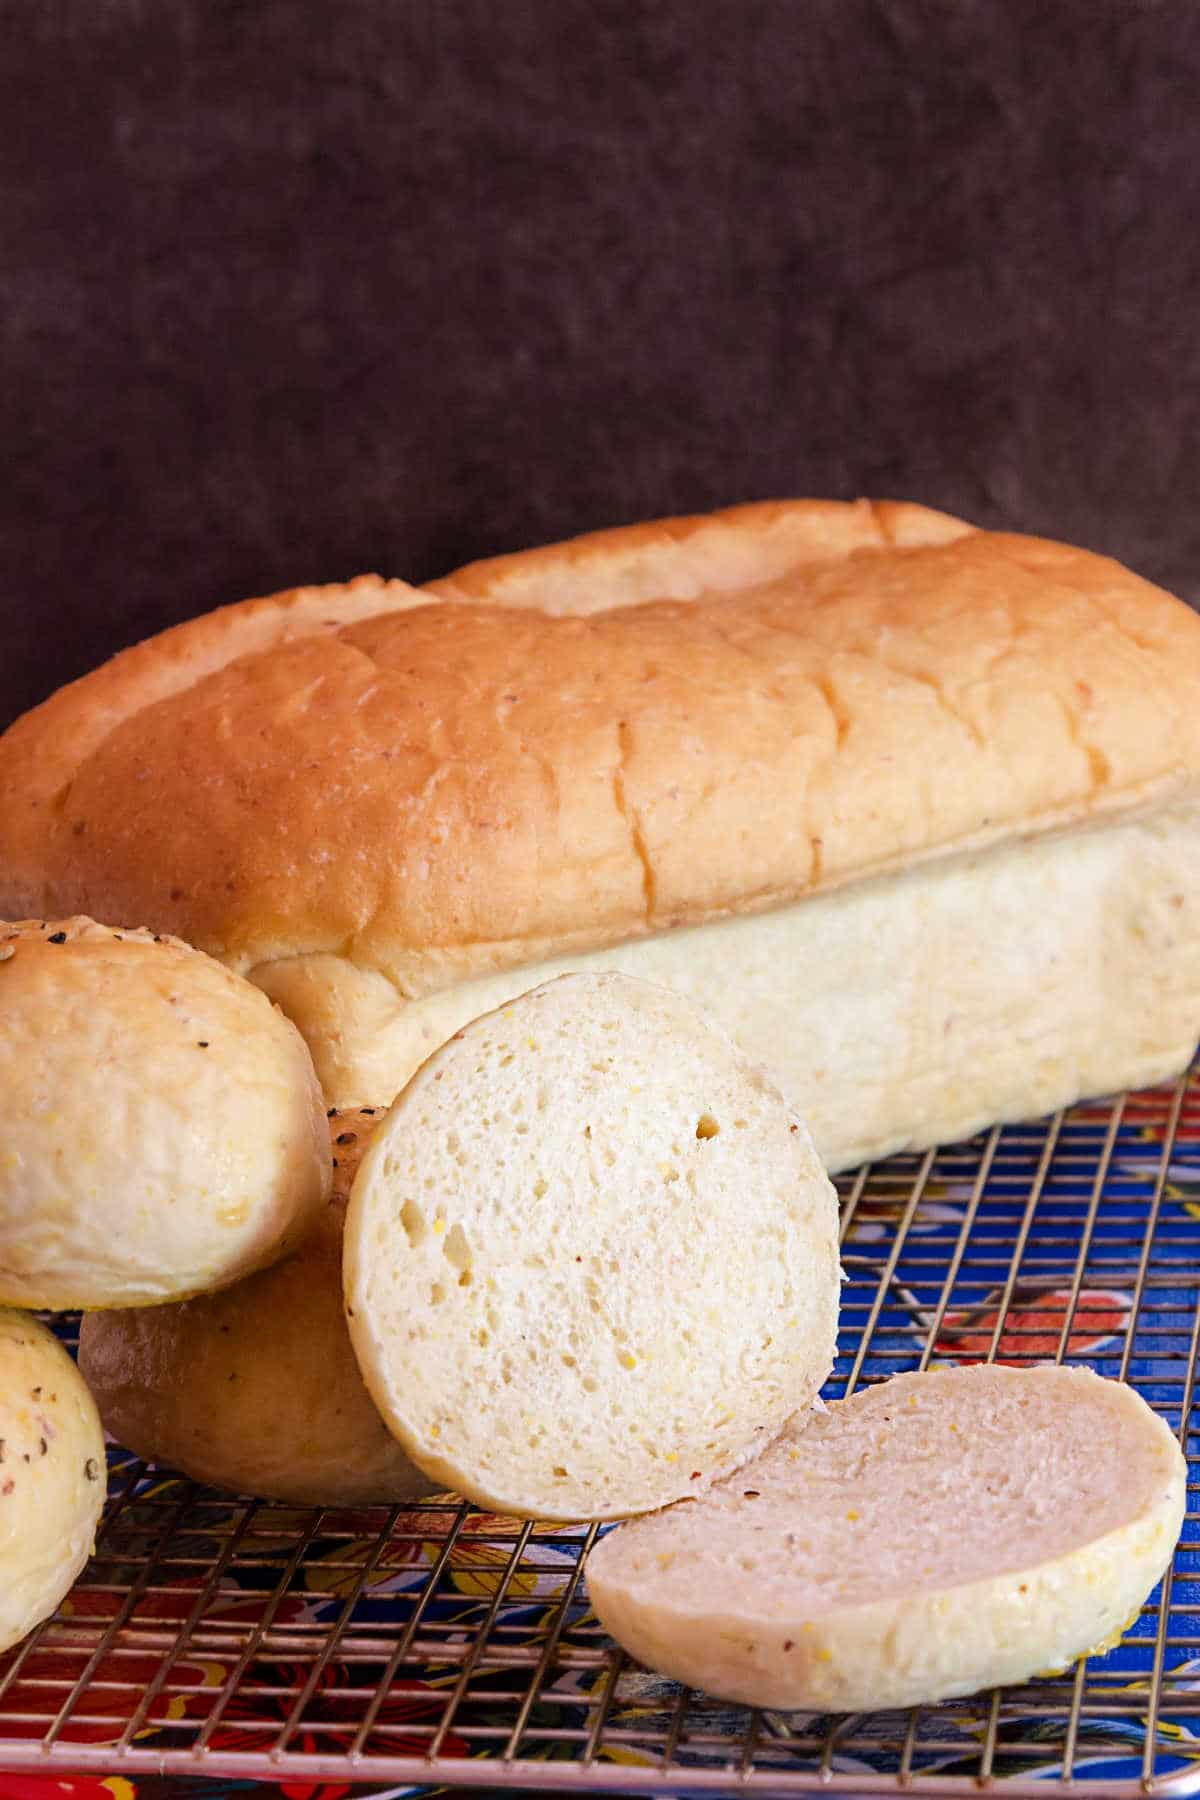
295,289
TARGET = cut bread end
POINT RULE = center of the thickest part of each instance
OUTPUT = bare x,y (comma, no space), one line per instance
590,1256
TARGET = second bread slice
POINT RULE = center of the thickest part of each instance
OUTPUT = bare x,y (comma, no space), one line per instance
930,1536
590,1256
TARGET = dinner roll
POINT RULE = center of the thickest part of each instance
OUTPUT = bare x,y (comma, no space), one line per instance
932,1535
256,1388
161,1127
52,1474
591,1257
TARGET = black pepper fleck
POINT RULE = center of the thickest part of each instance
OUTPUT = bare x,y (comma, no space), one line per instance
91,1469
347,1137
788,1643
750,1494
41,1446
332,1113
36,1392
57,937
370,1109
202,1043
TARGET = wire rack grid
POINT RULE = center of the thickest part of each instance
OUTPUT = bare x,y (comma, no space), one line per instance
435,1645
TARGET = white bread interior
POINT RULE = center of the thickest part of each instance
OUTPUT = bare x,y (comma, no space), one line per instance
256,1388
590,1256
934,1534
53,1474
162,1128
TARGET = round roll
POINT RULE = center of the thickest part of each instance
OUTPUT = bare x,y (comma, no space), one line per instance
162,1128
52,1474
256,1388
932,1535
591,1256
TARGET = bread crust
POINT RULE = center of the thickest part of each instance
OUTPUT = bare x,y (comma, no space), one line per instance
162,1124
53,1481
432,791
255,1388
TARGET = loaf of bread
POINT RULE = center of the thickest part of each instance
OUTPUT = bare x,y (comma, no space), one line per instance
909,807
930,1536
591,1258
256,1388
53,1474
162,1127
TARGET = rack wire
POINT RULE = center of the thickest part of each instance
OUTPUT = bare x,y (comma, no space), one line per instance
433,1644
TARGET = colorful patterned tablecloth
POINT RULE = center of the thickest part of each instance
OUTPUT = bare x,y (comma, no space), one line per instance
241,1629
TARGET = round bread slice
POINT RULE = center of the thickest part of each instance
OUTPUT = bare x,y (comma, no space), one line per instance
256,1388
52,1474
591,1259
933,1535
162,1128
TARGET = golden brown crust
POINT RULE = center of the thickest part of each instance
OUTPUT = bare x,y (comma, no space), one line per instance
447,789
256,1388
42,750
685,558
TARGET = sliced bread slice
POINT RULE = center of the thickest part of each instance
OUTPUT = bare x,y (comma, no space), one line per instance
590,1256
933,1535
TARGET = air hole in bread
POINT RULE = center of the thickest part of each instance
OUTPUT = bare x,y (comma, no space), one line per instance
707,1127
413,1220
457,1249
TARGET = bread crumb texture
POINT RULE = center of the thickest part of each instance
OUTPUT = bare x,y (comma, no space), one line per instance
591,1257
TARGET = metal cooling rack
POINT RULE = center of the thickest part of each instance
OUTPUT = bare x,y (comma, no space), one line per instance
436,1645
